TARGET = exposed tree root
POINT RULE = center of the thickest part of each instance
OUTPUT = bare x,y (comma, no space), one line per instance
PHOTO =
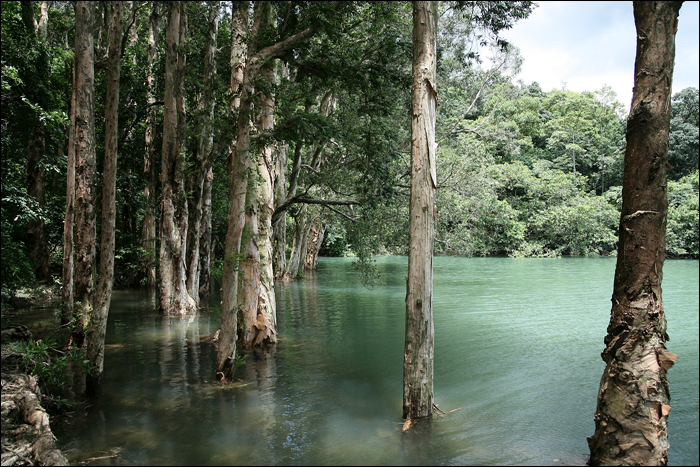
26,435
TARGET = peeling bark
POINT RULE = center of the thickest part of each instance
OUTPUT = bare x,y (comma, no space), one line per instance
95,339
84,140
418,353
633,400
256,294
174,298
313,244
237,185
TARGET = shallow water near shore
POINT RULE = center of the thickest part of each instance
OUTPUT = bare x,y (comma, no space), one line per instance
517,352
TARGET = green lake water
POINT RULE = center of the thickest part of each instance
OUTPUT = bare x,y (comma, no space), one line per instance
517,351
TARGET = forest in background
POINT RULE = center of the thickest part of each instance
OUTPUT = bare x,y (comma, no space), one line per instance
521,172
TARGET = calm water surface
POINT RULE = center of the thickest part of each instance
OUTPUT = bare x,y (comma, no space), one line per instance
517,351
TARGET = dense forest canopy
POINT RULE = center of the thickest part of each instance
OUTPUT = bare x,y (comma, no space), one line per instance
520,171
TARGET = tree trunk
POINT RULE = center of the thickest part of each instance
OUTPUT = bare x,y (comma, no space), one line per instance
237,184
418,354
205,243
279,228
43,25
174,299
148,233
98,321
313,244
301,235
68,268
202,157
84,169
633,400
37,248
256,293
240,164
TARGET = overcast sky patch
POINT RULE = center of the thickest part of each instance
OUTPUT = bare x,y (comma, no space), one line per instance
584,45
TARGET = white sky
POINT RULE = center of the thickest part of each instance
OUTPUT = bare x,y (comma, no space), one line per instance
589,44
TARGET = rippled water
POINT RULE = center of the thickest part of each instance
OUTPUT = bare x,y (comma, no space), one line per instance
517,351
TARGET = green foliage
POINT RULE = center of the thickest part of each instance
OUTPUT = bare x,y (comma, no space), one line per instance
683,226
15,268
238,362
683,150
49,364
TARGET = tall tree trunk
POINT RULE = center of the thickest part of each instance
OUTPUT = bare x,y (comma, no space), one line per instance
205,243
237,185
84,169
98,321
256,293
173,296
202,154
240,163
37,248
633,400
42,28
148,233
279,227
68,268
418,354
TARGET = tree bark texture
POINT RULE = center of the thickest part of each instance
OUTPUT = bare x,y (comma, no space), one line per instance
418,353
633,400
301,235
205,242
37,247
240,165
313,243
83,282
97,328
68,264
173,296
256,293
202,154
148,233
237,184
279,228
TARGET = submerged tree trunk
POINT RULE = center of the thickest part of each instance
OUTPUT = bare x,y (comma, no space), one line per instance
256,293
148,232
633,400
237,185
84,140
418,353
98,322
173,296
240,164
